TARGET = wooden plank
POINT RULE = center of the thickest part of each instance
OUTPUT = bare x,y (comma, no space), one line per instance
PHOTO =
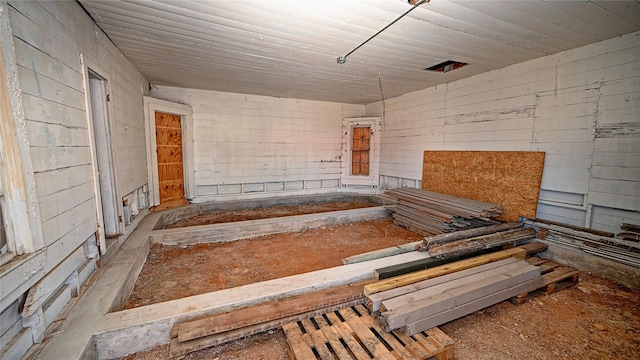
430,345
534,248
552,279
352,334
584,235
296,342
367,338
333,337
269,311
377,254
461,247
414,346
347,335
444,340
411,278
177,348
509,178
400,351
374,301
409,308
467,308
463,234
318,339
577,228
412,266
42,290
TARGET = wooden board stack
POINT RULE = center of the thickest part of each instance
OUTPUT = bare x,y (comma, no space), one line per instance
439,300
429,213
615,249
629,232
463,246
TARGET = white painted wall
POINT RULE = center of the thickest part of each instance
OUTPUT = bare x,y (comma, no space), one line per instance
253,146
582,107
48,38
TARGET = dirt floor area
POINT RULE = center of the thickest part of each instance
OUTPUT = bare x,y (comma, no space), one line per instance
597,319
173,272
266,213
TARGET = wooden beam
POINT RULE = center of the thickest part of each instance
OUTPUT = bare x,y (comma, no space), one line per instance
462,310
177,348
377,254
412,266
584,235
411,278
274,310
374,301
399,311
464,234
461,247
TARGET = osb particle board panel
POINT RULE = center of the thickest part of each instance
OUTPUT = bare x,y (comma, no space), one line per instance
508,178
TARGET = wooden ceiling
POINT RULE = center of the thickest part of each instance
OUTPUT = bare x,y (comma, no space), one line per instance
288,48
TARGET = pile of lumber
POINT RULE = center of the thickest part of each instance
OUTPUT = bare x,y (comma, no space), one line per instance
436,301
615,249
629,232
416,301
467,241
428,213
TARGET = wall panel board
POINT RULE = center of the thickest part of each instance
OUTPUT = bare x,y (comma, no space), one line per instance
510,179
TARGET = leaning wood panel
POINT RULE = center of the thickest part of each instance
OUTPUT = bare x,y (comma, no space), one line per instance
508,178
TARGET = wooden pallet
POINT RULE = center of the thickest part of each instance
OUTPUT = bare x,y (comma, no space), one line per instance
555,277
351,334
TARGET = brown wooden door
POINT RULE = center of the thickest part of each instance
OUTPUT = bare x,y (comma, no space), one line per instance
169,153
360,151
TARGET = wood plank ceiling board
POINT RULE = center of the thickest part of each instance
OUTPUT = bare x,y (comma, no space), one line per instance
628,10
288,48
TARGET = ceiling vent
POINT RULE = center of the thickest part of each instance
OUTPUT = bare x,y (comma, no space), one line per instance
446,66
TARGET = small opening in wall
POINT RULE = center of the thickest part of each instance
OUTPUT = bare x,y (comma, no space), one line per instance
446,66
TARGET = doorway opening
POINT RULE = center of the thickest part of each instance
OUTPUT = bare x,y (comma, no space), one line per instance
170,156
103,163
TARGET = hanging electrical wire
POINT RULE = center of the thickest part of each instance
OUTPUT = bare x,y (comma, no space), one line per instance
415,3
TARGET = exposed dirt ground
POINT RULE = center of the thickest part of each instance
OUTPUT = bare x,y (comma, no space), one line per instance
266,213
596,319
173,272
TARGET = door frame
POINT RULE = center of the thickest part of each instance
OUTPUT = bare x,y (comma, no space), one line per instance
151,106
347,179
88,66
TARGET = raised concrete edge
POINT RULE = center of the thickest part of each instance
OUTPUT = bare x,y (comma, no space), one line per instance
254,228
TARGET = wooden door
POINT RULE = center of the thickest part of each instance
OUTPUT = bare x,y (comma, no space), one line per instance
360,150
169,154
